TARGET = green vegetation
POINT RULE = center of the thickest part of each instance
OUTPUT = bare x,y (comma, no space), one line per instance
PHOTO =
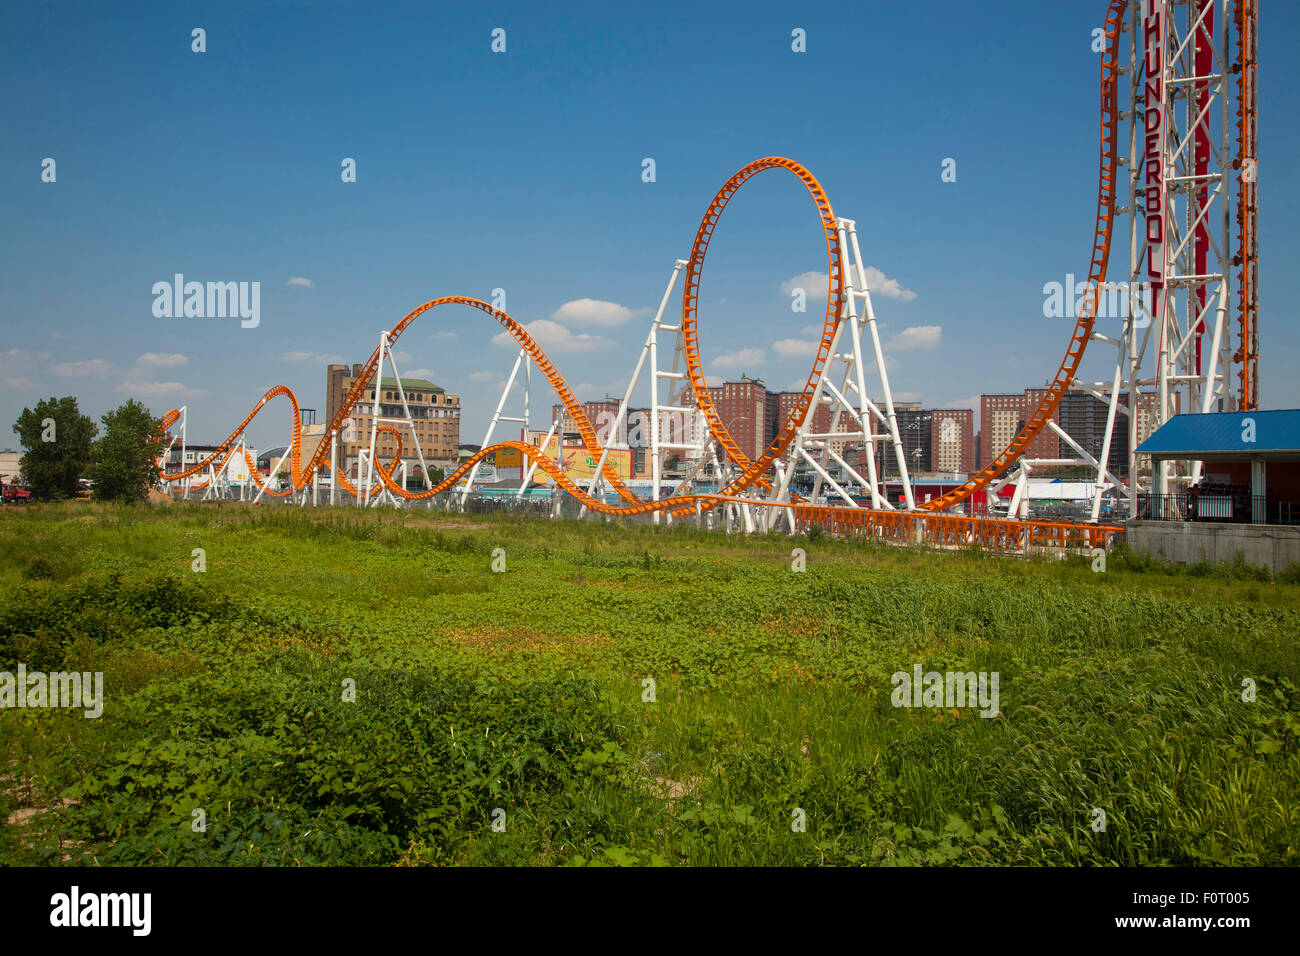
126,458
56,439
226,692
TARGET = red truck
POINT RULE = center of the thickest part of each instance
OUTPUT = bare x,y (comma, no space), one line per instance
12,494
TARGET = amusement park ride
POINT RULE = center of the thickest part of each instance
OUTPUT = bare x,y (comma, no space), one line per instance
1177,76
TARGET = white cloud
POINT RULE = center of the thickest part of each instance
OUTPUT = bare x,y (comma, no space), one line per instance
795,348
483,376
916,337
445,335
418,373
742,358
301,282
970,401
89,367
162,359
814,330
157,389
594,312
553,337
814,285
17,383
881,284
401,356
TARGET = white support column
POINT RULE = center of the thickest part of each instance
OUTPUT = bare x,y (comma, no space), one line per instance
492,425
869,314
1209,394
374,419
184,464
334,467
410,423
362,489
532,465
274,472
648,350
851,398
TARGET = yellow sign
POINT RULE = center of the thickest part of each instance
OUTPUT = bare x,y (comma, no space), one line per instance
509,458
580,465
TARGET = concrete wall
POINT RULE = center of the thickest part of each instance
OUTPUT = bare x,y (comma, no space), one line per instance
1189,542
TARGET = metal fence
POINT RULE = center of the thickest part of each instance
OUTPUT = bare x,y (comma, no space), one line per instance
1224,506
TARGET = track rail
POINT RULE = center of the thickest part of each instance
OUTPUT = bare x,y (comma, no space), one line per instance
1246,14
753,473
1106,185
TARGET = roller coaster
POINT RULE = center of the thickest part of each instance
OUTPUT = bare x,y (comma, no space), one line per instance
1185,159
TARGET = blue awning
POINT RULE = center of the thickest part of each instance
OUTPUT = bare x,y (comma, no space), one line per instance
1226,434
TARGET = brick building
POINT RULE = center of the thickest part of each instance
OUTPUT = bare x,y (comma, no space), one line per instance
819,419
1002,416
750,412
436,415
1080,415
952,440
1083,418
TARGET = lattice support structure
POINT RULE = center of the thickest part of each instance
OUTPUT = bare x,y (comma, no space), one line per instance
855,355
1182,162
1190,159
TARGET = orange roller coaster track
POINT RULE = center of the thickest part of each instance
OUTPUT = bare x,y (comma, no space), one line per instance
1106,184
753,473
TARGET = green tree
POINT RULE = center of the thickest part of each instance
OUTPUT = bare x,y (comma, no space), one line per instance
126,458
56,440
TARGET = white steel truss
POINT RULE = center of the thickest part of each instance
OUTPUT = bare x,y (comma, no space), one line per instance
406,419
1174,349
1181,181
853,417
667,389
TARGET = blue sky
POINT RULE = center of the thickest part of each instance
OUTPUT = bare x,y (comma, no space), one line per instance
522,171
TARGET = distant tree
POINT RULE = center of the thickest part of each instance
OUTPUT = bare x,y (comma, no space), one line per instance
126,458
56,440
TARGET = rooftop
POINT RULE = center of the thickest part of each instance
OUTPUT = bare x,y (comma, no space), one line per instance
413,385
1226,435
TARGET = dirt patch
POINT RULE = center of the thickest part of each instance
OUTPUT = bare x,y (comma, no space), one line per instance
23,814
521,638
666,788
802,627
22,791
440,524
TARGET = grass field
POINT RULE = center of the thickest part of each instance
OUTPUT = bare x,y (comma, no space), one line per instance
502,716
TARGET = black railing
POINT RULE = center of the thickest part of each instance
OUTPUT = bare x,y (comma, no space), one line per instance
1228,506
